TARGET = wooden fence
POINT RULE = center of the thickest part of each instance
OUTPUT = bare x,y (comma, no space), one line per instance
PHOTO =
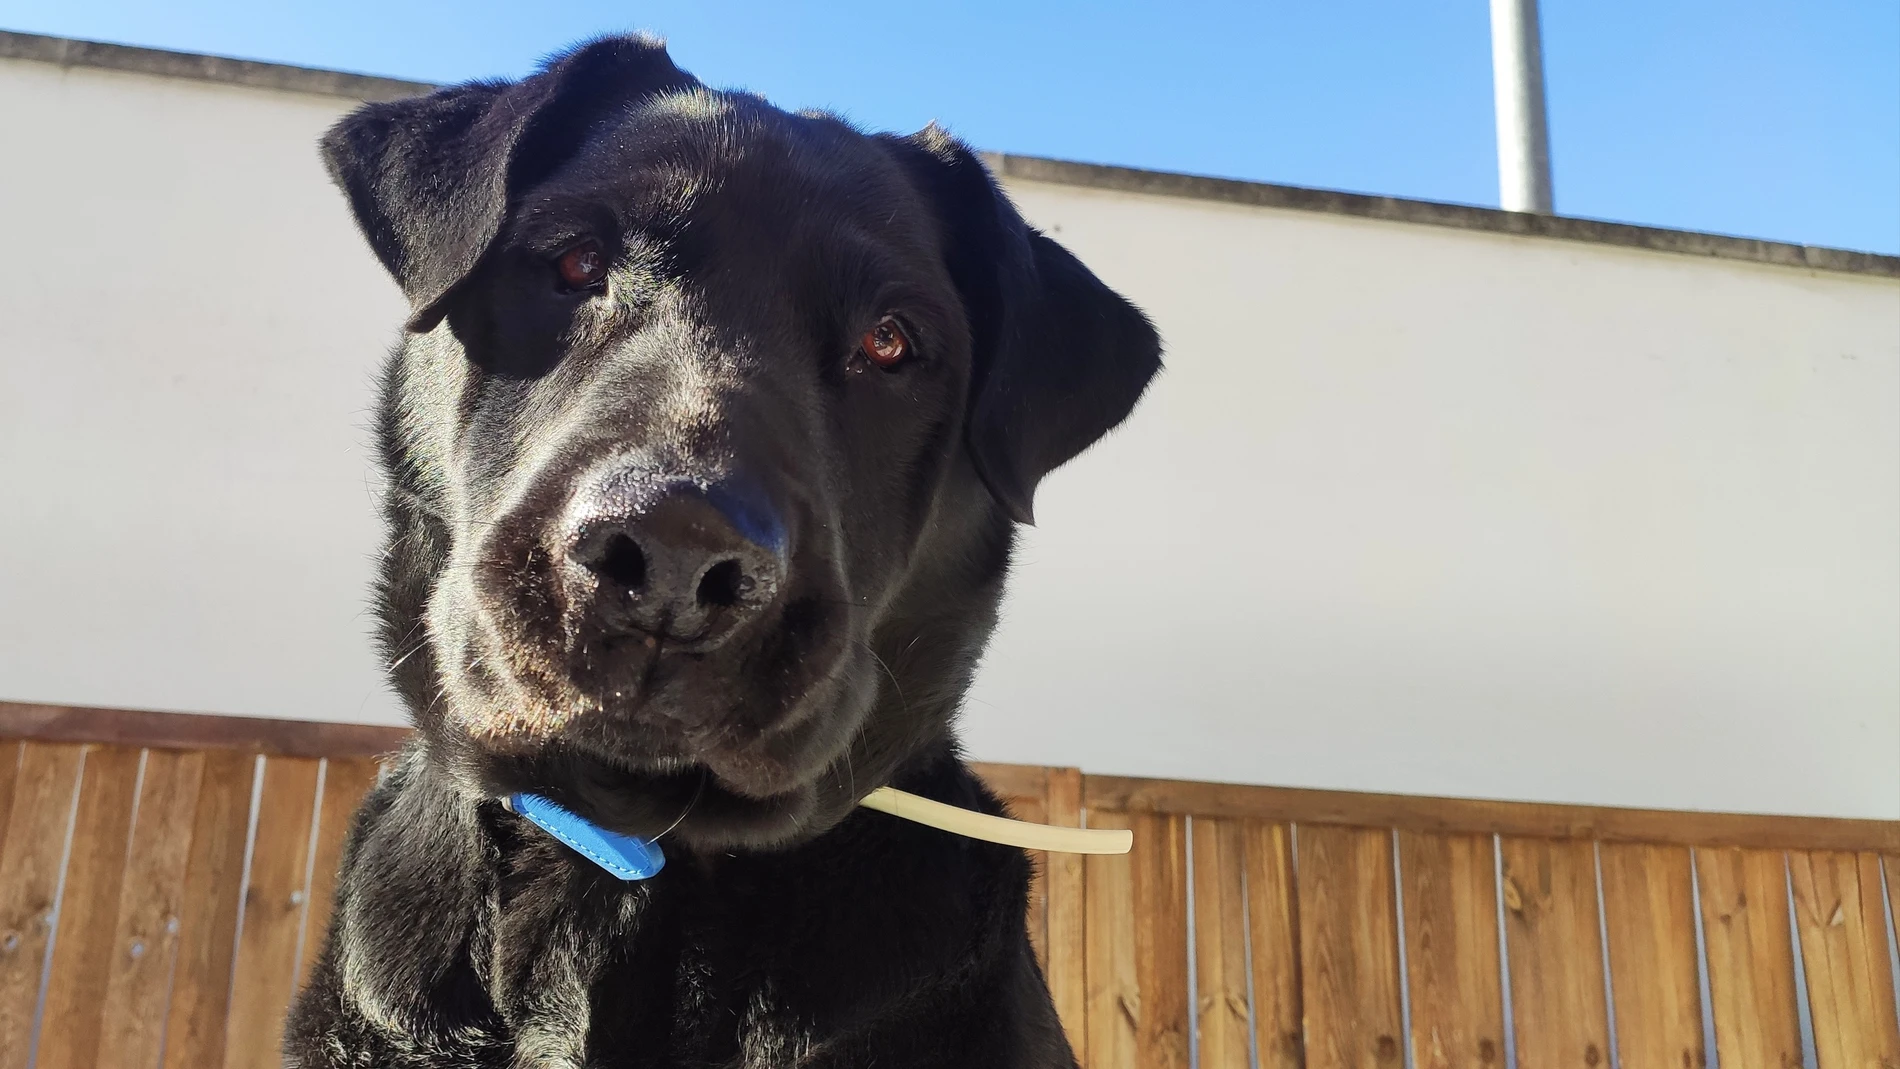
164,878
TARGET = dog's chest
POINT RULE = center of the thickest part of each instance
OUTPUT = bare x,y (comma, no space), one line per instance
664,982
760,962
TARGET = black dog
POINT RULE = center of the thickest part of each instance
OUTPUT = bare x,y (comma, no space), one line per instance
704,447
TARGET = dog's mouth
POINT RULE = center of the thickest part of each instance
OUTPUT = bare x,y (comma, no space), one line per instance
742,744
715,797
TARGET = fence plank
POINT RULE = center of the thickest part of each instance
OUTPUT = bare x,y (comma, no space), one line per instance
1844,950
1893,893
1556,954
1064,875
88,909
1471,816
1161,940
146,933
29,880
207,923
1751,957
1349,957
1114,996
1451,949
265,969
9,771
1273,926
1220,945
196,731
345,781
1649,913
1013,781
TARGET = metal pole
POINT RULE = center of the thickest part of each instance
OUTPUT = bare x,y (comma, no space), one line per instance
1517,75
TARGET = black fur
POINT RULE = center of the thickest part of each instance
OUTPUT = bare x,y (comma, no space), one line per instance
751,249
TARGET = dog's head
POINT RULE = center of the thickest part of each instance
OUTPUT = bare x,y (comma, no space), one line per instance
706,435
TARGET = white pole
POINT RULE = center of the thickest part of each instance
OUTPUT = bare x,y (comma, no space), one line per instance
1517,73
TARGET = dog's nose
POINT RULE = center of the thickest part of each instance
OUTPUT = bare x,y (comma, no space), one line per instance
679,560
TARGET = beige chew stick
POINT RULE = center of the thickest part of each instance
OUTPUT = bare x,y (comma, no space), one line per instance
1020,833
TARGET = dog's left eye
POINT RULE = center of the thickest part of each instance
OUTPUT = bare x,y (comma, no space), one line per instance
582,267
886,344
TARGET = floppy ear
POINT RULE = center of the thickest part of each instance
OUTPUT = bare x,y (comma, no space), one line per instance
1060,358
431,178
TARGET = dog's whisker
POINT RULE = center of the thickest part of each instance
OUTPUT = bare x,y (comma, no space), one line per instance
892,676
690,803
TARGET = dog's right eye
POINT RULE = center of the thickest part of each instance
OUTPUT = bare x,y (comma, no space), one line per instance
583,267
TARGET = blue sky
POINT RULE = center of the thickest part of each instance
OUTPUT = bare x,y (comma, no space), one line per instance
1768,119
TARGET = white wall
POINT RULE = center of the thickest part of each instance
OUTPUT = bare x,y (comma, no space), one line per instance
1440,511
1413,508
189,326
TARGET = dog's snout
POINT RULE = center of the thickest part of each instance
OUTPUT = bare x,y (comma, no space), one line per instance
677,560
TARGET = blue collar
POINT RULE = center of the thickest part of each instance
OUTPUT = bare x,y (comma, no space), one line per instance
622,855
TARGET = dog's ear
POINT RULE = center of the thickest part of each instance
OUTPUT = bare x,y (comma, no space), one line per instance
1060,358
431,178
